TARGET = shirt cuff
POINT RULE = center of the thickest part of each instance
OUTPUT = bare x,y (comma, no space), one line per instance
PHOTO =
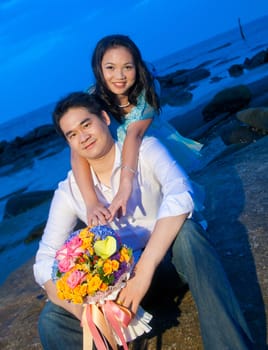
174,206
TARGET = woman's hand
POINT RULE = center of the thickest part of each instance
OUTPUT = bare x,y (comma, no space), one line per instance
97,214
118,206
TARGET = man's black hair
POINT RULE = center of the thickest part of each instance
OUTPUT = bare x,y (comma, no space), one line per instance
75,100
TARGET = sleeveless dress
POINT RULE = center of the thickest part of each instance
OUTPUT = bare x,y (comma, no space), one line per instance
184,150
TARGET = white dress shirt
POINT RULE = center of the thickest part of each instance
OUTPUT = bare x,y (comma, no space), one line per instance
160,189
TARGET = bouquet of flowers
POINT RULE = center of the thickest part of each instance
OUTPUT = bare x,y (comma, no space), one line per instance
90,269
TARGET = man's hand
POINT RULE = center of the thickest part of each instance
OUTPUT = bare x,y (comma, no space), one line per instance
136,288
164,233
118,206
97,214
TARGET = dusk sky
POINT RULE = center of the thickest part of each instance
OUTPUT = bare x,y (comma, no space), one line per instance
45,46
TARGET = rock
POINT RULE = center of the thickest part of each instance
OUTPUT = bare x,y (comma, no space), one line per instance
25,201
183,77
215,79
228,100
175,96
42,140
167,80
191,76
35,233
257,60
240,134
255,117
18,164
36,134
232,131
3,145
236,70
249,63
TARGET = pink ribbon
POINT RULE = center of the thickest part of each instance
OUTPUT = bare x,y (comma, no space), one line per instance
101,323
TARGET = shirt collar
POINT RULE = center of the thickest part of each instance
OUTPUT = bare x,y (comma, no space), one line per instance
116,167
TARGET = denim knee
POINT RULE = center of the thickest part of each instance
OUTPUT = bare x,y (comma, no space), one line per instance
58,329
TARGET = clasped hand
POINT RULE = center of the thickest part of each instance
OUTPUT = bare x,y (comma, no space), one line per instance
98,214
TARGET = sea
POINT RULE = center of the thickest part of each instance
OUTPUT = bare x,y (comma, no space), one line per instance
217,54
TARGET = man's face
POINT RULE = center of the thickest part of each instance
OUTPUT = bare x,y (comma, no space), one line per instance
87,134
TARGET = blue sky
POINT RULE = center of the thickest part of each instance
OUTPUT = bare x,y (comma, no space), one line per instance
45,46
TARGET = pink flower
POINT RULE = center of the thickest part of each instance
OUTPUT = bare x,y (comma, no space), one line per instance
67,255
75,278
74,244
65,264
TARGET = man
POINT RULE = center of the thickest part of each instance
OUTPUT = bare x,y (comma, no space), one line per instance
159,218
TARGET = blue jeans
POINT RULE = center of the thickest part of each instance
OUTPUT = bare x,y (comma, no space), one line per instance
222,323
58,329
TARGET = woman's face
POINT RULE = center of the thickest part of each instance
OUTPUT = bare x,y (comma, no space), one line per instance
118,70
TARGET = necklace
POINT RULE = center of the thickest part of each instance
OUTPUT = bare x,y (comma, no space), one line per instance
123,106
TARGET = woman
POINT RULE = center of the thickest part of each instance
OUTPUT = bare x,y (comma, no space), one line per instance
126,89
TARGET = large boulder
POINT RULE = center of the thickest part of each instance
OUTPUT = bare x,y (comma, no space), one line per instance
257,60
20,203
229,100
255,117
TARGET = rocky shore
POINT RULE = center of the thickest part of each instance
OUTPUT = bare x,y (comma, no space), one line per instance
236,210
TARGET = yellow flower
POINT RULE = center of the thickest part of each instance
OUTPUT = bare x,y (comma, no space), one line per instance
105,247
115,265
103,287
79,293
93,284
85,233
99,263
124,255
90,250
107,267
87,238
77,299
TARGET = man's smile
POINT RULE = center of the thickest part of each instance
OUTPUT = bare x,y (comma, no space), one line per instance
90,144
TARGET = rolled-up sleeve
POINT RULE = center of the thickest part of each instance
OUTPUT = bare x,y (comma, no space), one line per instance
177,192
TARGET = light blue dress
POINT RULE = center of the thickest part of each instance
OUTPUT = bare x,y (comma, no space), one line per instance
185,151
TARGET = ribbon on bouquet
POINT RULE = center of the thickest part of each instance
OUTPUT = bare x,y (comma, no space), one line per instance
102,322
